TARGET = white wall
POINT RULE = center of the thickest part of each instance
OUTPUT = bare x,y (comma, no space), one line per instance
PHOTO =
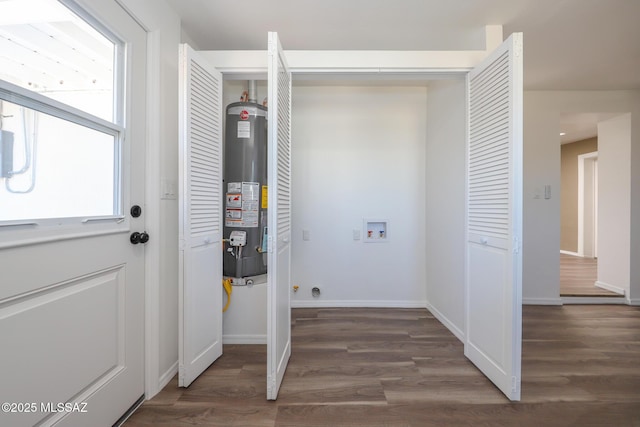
541,242
541,217
358,152
445,196
614,208
245,321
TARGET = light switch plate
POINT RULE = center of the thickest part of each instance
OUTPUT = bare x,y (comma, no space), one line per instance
169,189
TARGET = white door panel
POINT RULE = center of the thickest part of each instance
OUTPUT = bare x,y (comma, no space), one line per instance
71,315
82,330
200,306
494,217
279,256
488,290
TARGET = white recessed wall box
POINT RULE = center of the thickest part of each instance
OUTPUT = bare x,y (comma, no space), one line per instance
375,230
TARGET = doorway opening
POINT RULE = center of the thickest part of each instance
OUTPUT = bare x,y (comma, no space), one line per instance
585,139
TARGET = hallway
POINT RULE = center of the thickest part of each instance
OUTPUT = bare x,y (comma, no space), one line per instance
577,277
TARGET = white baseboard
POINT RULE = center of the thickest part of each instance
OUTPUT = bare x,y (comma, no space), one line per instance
618,290
541,301
357,304
569,253
244,339
594,300
168,375
459,333
633,301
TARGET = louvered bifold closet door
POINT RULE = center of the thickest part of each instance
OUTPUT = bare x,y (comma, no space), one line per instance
200,216
279,257
494,217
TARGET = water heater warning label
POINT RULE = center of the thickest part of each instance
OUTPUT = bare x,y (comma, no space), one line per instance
234,200
233,214
244,129
234,187
241,209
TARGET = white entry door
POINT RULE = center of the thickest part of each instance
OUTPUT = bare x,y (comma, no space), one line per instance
279,256
494,217
200,201
72,283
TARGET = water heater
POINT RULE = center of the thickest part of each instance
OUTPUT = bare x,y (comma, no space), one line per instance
245,183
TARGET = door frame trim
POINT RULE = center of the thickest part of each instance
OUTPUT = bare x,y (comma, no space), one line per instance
152,383
583,159
162,31
154,27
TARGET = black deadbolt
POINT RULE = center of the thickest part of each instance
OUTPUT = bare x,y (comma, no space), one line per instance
136,211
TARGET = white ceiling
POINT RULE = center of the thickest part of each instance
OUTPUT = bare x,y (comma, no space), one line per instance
579,126
568,44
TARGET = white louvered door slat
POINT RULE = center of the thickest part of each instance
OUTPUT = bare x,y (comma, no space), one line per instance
200,216
494,217
279,257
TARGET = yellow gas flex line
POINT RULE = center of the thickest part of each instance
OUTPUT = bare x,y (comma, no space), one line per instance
228,288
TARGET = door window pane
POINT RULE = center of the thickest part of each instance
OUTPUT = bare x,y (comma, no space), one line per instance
46,48
54,168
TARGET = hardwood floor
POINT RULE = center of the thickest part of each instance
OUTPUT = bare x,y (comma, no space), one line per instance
577,277
401,367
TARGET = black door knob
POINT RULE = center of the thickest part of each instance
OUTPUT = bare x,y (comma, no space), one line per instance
135,238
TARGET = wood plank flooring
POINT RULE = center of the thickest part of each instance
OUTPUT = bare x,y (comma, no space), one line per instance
577,277
402,367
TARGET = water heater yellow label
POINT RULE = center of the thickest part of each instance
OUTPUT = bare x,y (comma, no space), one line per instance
265,196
